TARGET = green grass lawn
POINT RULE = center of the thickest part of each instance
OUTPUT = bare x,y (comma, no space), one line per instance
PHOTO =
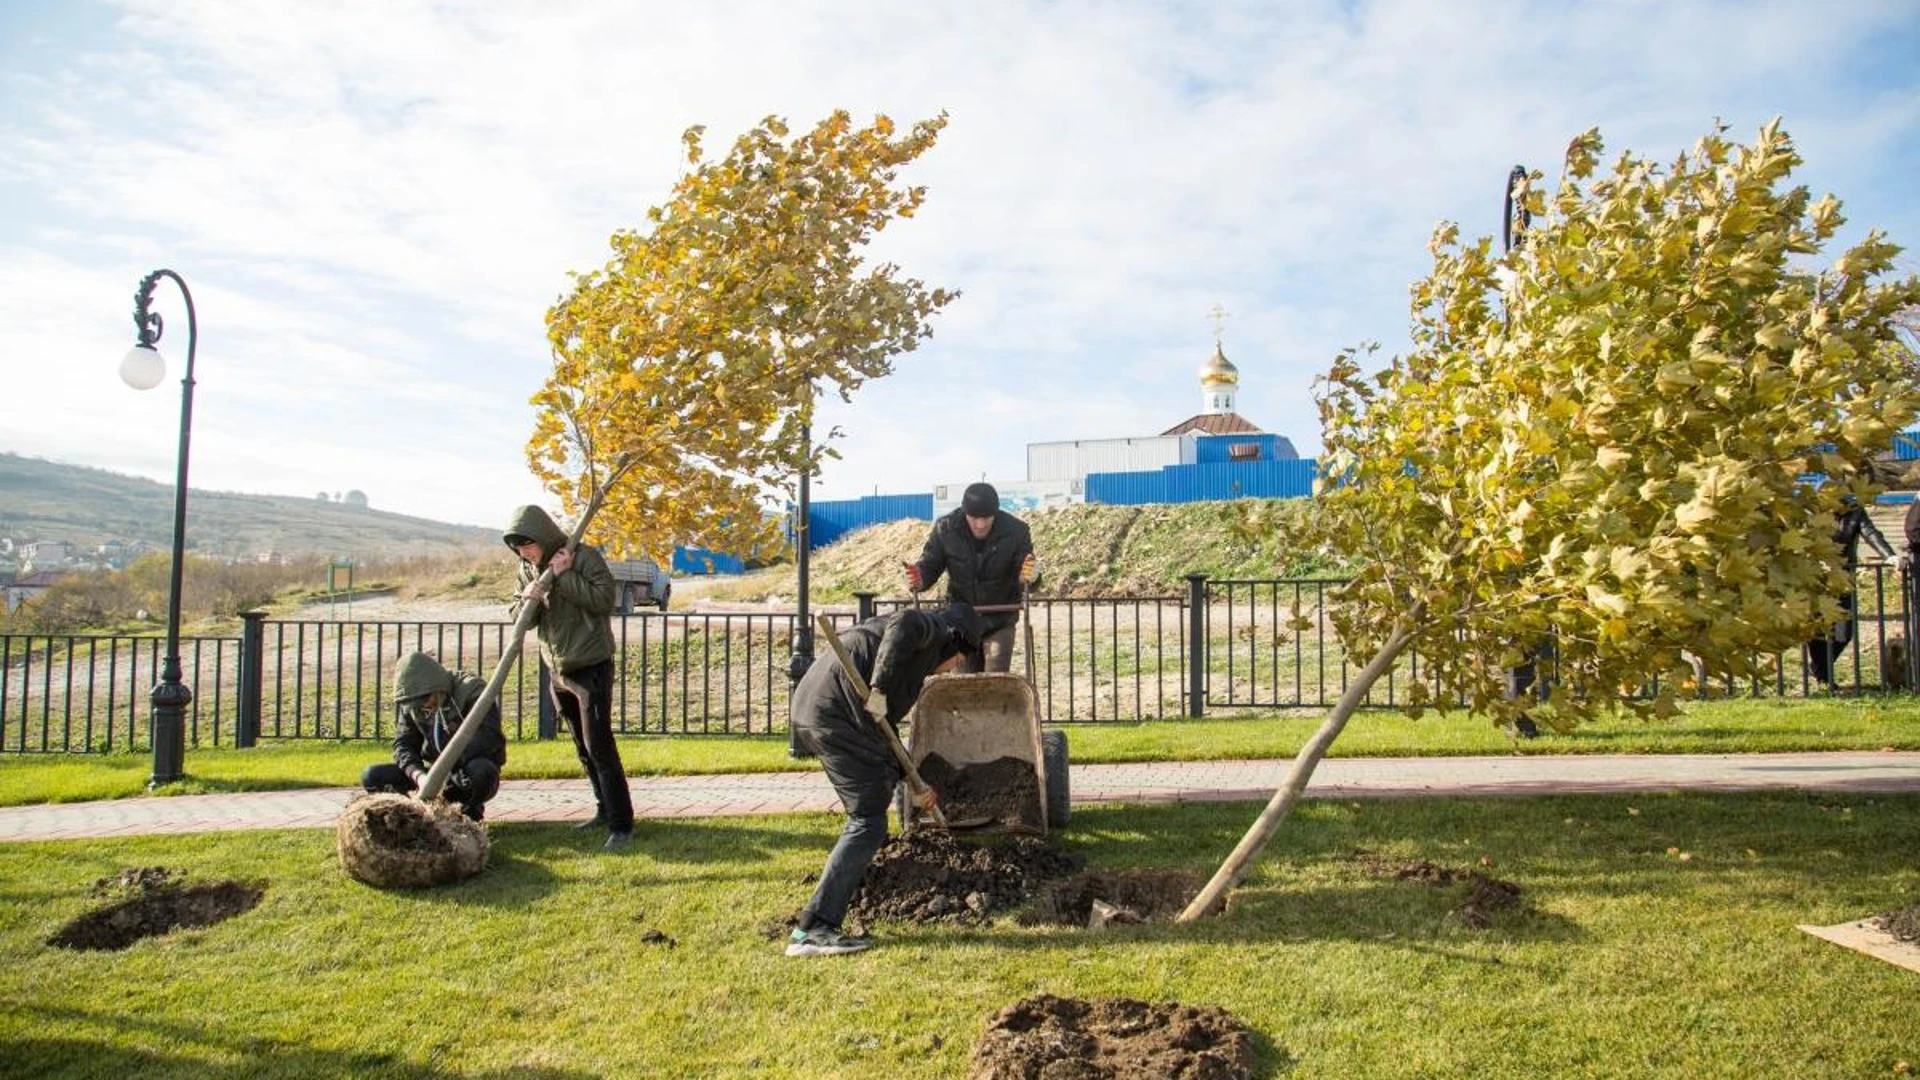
1718,727
1627,960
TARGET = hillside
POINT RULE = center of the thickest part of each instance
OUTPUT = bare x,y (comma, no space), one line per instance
44,500
1082,550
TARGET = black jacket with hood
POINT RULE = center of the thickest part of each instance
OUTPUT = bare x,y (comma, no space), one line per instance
978,571
894,654
421,734
575,625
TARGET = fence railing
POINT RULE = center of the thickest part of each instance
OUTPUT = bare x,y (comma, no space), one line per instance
1224,644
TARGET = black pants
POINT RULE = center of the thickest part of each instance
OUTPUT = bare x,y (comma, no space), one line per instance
470,785
593,741
1830,646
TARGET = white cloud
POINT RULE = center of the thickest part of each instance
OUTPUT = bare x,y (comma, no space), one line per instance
376,202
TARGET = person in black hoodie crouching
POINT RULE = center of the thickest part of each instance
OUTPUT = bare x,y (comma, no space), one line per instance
431,702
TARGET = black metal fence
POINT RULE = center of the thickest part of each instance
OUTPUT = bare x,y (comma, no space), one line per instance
1224,644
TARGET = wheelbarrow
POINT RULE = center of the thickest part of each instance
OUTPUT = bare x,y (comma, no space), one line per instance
977,740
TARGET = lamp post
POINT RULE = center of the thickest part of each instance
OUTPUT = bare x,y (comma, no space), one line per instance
143,369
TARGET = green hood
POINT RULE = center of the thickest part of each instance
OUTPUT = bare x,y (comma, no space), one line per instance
533,523
419,675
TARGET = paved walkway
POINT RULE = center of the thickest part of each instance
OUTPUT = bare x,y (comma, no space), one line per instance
1155,782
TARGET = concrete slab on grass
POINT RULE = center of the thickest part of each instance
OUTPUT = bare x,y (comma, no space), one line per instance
1862,935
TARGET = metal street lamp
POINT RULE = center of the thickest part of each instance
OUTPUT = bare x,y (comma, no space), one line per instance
143,369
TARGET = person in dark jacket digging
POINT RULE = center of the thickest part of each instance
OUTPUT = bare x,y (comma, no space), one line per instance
575,627
894,654
431,702
987,556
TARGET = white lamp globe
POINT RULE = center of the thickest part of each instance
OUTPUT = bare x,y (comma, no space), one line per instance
142,368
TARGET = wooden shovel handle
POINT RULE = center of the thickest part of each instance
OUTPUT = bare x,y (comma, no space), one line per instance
891,736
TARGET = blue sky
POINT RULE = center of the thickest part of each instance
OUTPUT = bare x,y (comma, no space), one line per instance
375,203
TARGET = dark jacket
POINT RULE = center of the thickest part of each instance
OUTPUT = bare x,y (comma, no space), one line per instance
421,734
978,571
575,625
894,654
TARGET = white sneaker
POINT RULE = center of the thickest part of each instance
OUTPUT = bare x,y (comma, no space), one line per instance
825,941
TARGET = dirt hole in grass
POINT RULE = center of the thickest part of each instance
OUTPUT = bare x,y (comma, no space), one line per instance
151,900
1102,899
1481,894
1054,1038
929,876
1903,925
1005,790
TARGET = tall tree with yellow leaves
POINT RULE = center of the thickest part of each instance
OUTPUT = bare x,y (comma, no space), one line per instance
1602,439
685,369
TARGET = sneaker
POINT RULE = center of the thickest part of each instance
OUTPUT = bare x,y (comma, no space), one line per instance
1526,728
618,840
825,941
597,821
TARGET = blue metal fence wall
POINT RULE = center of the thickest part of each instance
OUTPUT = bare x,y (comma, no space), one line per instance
698,560
1212,449
836,518
1205,482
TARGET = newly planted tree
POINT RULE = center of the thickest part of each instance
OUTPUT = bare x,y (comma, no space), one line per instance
1628,439
684,370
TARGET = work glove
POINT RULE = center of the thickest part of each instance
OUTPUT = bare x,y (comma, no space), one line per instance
913,577
926,798
418,775
877,704
1028,571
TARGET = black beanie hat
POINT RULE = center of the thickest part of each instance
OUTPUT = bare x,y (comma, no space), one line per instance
980,500
963,623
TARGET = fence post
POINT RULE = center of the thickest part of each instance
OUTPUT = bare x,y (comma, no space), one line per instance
547,725
253,639
863,606
1196,645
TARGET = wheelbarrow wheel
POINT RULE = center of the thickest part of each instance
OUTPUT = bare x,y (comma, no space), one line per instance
1053,752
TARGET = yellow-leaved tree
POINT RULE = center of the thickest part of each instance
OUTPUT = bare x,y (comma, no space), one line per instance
1602,440
684,370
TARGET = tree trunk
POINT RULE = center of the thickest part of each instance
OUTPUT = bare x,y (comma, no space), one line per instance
1240,861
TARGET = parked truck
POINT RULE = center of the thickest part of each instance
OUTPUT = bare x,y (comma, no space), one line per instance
639,583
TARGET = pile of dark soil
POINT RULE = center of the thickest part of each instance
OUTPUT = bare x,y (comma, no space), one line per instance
1904,924
1053,1038
1006,790
1107,899
928,875
153,900
1483,894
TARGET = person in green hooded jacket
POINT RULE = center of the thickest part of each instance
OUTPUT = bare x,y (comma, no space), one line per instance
431,702
574,623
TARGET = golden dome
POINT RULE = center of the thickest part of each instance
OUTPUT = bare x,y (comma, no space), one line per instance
1218,370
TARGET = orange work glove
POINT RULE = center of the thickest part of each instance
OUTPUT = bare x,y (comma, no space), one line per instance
913,577
1027,570
926,799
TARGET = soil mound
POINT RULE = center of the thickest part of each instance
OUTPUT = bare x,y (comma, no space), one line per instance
1053,1038
153,901
1483,895
927,876
395,842
1005,791
1107,899
1904,924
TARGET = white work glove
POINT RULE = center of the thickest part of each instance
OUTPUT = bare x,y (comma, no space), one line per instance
877,704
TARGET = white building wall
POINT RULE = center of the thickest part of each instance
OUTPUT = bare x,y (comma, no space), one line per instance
1016,497
1074,460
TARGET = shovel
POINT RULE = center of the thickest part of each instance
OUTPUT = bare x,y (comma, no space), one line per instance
914,783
